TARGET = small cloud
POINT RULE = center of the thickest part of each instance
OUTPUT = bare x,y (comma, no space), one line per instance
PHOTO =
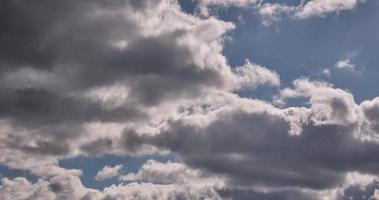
326,72
108,172
323,7
271,13
241,20
345,64
251,75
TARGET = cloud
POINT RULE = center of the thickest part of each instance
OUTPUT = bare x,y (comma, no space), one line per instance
110,65
315,8
246,194
271,13
58,187
345,64
204,5
357,191
322,7
63,74
326,72
274,12
153,171
258,147
108,172
173,173
70,187
371,111
328,105
252,75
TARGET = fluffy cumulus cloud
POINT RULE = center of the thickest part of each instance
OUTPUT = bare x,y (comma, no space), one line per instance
252,75
322,7
157,181
108,172
137,77
91,63
256,147
253,144
313,8
70,187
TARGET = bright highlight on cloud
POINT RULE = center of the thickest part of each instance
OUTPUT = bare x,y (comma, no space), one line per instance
144,77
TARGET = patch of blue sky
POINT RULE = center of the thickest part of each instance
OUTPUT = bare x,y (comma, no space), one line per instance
188,6
90,166
302,48
7,172
286,2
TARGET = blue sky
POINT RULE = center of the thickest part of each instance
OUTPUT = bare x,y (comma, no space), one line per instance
296,48
90,166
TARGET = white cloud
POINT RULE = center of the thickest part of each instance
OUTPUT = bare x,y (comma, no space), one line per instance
328,105
322,7
271,13
274,12
345,64
251,75
108,172
172,173
70,187
326,72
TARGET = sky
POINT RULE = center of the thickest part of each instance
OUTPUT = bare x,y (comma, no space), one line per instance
189,99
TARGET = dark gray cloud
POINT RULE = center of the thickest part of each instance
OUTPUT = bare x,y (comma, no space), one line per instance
97,147
242,194
257,149
74,41
35,106
54,53
42,34
156,68
75,38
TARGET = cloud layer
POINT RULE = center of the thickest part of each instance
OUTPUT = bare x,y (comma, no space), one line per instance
143,77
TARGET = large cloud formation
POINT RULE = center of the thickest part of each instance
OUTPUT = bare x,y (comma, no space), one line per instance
137,77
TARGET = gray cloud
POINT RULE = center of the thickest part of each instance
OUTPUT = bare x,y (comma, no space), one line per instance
257,149
241,194
60,59
371,111
70,187
34,106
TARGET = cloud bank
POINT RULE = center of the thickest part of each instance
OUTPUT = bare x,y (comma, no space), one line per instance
137,77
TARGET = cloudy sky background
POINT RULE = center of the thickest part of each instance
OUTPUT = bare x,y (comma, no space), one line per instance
205,99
